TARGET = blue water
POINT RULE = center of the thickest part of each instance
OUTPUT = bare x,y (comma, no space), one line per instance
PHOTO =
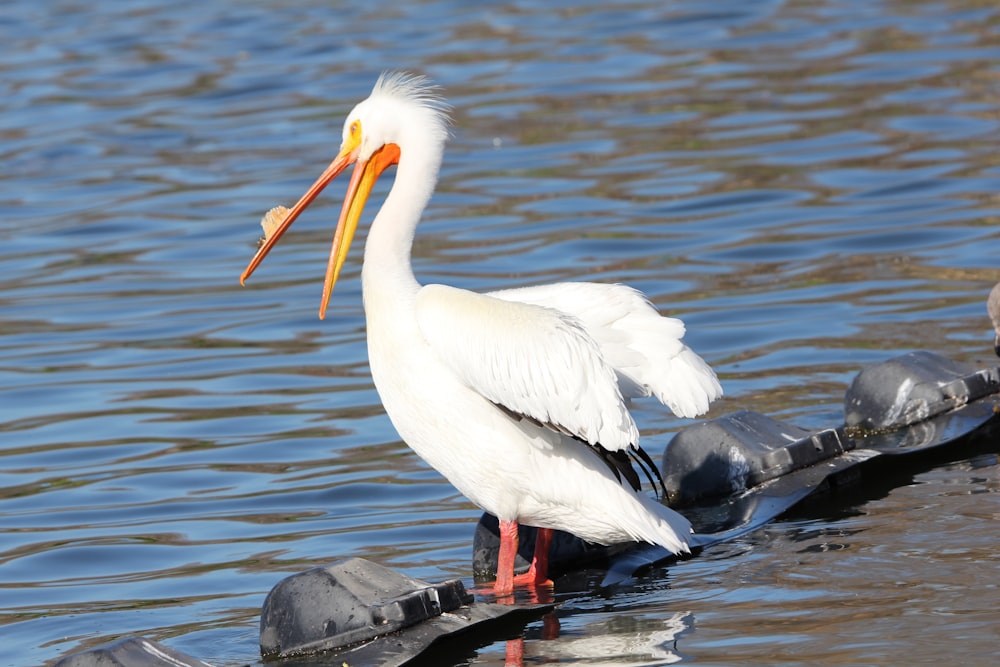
811,186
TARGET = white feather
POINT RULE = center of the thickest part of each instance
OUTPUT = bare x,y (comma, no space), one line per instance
643,346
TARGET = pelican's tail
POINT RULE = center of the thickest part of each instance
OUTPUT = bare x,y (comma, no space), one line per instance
636,517
662,525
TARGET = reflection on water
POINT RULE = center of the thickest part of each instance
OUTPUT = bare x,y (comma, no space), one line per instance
811,186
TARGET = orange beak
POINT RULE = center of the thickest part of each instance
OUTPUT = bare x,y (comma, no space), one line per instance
362,180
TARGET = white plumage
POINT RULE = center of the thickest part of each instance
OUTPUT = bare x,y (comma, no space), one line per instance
518,397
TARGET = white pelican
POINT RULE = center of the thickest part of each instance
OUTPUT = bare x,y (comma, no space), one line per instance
518,397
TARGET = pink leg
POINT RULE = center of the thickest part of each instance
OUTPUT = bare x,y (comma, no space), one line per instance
505,559
537,574
539,571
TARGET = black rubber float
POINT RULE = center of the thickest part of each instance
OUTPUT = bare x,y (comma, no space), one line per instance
913,388
359,612
728,476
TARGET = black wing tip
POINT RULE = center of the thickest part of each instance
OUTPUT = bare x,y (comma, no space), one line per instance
621,464
649,467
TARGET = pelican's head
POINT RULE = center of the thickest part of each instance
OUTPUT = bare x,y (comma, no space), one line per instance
403,110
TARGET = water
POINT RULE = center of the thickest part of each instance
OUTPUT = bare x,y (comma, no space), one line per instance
811,186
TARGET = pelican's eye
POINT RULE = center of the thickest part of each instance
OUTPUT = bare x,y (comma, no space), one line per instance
353,139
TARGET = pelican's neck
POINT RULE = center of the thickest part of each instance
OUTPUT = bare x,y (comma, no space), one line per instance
387,278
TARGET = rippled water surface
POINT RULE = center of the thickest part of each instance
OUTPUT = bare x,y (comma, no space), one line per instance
812,186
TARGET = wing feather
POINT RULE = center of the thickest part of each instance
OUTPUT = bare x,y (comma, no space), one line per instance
530,359
644,347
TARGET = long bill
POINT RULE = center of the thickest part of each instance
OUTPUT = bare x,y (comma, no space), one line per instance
341,162
362,180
